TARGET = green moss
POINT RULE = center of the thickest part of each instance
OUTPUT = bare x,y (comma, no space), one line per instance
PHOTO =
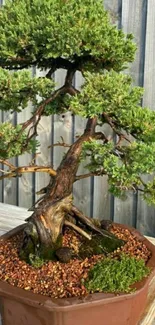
36,255
25,251
99,245
111,275
35,260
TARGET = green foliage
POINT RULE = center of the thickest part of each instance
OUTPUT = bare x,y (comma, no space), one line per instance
42,33
18,88
58,106
36,261
112,275
113,94
39,30
13,142
123,165
108,92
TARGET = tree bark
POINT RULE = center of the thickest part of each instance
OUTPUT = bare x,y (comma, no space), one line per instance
48,217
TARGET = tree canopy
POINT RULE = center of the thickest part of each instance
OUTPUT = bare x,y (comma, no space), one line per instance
39,32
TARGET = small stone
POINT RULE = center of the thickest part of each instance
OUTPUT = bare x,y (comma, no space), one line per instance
106,224
64,254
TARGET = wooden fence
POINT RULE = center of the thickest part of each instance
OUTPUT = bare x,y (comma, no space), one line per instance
91,195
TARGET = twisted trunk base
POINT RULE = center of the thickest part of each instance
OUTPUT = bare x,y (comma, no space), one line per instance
44,228
43,234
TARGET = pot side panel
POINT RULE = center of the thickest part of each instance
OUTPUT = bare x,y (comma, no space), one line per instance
123,312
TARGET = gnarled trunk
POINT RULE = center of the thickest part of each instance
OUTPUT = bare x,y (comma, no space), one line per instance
45,225
48,217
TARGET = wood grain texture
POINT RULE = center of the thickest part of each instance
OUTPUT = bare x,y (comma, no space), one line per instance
132,21
148,318
82,188
146,214
43,158
103,203
10,185
25,182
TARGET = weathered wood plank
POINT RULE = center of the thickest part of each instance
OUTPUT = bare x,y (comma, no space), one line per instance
145,217
11,216
10,184
62,125
82,187
25,182
44,157
148,318
102,199
132,21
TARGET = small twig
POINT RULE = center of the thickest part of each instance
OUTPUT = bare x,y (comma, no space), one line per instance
78,229
35,119
3,171
32,162
77,178
110,122
101,136
60,144
7,163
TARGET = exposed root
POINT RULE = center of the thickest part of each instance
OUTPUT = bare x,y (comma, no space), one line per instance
78,229
88,222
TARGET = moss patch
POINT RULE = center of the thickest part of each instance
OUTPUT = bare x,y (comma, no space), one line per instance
39,254
116,275
99,245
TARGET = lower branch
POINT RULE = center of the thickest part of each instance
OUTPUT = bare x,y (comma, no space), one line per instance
29,169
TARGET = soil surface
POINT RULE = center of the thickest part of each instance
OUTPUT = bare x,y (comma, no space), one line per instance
55,279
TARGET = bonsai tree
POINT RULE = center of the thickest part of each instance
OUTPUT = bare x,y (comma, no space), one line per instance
75,35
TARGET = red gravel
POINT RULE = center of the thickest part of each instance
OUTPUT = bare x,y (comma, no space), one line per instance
56,279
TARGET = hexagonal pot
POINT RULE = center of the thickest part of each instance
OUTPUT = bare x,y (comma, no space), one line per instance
20,307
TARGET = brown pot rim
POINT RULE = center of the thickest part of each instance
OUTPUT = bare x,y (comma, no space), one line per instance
33,299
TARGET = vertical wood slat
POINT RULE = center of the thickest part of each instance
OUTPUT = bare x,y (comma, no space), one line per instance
43,158
8,188
62,125
146,214
81,188
25,183
103,201
10,184
132,15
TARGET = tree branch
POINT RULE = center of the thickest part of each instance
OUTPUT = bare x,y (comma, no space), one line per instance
113,126
90,126
36,118
79,177
39,111
29,169
7,163
101,136
60,144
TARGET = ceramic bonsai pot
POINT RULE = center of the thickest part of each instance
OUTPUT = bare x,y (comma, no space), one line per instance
20,307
